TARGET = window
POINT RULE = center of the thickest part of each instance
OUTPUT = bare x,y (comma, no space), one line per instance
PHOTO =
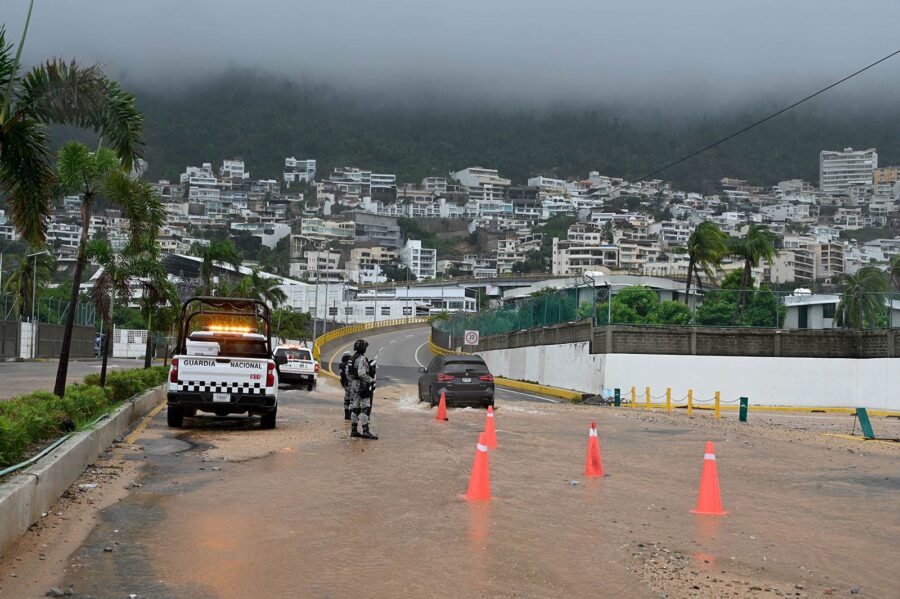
332,311
385,310
828,310
348,311
370,310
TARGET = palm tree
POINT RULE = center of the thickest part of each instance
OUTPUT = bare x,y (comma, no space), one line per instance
222,251
114,282
55,92
256,286
93,173
863,299
706,247
758,244
157,293
895,271
20,282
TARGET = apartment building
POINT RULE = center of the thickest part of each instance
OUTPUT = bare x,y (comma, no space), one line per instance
377,229
485,187
316,231
364,264
234,171
547,186
838,170
269,234
318,265
299,170
421,262
634,254
886,174
675,233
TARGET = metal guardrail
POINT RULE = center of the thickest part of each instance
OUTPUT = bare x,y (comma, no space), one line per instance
356,328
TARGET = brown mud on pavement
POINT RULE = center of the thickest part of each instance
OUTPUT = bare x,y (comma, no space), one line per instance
228,510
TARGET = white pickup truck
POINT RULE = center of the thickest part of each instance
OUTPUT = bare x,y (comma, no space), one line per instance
223,368
297,366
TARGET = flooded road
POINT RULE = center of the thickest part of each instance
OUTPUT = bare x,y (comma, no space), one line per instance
226,510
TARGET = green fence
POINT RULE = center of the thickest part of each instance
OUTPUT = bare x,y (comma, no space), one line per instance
52,310
707,308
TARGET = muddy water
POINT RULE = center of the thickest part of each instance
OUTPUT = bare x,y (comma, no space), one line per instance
307,512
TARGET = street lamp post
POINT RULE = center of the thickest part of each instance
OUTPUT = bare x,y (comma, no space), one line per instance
33,296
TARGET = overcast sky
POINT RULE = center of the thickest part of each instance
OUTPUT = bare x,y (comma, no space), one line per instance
533,49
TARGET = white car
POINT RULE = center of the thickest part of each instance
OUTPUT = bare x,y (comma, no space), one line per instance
296,366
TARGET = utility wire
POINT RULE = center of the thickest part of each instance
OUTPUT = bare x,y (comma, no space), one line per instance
756,124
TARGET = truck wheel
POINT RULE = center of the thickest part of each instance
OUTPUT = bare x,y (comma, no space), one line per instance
310,387
268,419
174,417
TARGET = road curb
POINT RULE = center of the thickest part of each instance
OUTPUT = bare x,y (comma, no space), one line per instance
33,491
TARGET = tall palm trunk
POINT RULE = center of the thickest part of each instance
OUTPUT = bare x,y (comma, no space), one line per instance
690,274
63,370
106,343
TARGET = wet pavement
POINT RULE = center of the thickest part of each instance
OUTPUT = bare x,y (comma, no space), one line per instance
225,509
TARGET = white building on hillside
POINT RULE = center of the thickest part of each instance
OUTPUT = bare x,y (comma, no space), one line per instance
422,262
838,171
299,170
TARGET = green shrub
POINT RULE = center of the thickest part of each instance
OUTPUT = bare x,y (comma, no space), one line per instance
29,422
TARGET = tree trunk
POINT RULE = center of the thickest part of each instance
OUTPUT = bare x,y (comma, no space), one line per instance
687,288
62,371
149,346
106,342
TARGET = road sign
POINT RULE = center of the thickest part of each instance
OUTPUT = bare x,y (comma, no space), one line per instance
471,337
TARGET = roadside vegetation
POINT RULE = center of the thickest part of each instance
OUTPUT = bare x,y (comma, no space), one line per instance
30,422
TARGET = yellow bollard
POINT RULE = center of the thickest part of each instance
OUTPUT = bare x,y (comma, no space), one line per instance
690,402
668,400
633,398
647,392
717,405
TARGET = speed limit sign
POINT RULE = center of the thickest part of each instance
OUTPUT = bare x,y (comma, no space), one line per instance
471,337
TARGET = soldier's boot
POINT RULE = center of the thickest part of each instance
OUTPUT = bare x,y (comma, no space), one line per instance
347,414
354,432
367,434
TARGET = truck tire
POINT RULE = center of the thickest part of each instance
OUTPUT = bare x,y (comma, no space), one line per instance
267,420
311,387
174,417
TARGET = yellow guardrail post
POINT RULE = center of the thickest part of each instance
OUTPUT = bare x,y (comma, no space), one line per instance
690,402
717,405
668,400
633,397
647,394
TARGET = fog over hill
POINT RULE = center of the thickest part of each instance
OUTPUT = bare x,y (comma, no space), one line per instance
528,86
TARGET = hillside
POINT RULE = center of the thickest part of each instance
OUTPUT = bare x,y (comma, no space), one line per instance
264,119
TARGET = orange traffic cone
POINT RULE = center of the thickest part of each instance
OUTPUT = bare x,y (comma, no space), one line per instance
442,408
710,500
593,465
490,431
480,480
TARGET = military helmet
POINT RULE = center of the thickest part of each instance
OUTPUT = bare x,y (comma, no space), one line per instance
346,357
360,346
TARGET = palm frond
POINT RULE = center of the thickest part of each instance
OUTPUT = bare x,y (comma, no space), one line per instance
26,177
71,94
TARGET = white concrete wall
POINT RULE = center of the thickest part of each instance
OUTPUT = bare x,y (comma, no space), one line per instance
25,339
129,343
832,382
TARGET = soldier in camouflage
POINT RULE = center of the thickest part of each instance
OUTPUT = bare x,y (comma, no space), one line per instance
361,385
345,383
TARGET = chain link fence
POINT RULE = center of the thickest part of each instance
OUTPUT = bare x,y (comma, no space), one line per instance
48,309
750,308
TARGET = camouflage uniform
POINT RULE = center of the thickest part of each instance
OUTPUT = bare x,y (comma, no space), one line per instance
345,383
360,378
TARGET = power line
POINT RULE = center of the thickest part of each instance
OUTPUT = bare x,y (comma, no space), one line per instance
757,123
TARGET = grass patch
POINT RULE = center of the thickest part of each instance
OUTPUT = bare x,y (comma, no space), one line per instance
30,421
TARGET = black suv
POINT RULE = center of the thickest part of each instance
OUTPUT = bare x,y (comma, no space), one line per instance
465,380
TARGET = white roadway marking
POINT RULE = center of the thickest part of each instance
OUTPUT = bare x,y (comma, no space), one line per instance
416,355
530,395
